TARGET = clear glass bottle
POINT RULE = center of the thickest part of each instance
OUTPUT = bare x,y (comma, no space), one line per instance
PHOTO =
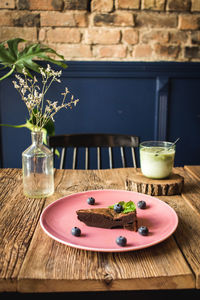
37,166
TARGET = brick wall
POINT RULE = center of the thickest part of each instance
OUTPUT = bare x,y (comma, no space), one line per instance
122,30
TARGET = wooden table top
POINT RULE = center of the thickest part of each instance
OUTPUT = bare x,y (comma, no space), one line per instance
30,261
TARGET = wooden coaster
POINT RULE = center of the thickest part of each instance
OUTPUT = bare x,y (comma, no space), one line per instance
155,187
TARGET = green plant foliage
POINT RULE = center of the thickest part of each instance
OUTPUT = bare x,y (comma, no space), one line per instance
15,60
127,206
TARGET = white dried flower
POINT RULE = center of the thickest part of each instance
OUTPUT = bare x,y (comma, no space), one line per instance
48,69
42,72
24,72
42,110
16,86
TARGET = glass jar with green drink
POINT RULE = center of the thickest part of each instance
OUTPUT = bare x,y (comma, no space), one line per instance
157,159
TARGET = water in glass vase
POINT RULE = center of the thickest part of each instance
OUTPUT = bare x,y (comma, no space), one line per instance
37,166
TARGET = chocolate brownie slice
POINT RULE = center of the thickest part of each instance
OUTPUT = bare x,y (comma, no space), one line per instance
107,218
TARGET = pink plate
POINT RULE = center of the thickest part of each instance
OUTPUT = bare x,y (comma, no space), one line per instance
59,217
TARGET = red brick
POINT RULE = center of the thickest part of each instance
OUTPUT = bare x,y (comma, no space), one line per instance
167,51
195,5
130,36
119,18
189,22
62,19
178,5
42,34
153,4
102,36
6,18
27,33
19,18
41,4
81,19
27,20
195,37
63,35
178,37
71,51
114,51
142,51
156,20
161,36
76,4
102,5
7,4
192,52
128,4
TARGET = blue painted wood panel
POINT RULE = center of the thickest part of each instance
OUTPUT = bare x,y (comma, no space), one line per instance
184,119
151,100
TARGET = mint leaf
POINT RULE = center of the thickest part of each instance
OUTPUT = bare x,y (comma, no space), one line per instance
127,206
121,202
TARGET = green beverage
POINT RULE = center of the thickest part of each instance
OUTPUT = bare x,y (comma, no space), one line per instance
157,159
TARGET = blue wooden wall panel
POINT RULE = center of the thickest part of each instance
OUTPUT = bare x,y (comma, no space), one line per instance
110,105
184,119
161,108
152,100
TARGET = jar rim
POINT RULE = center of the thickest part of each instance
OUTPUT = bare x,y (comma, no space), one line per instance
163,144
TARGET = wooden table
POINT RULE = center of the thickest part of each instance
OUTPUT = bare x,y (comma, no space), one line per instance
30,261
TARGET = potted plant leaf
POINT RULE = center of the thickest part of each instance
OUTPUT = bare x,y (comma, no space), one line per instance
14,60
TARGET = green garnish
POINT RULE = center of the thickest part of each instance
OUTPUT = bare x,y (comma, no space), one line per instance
127,206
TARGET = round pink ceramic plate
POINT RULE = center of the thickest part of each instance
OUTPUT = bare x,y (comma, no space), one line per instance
59,217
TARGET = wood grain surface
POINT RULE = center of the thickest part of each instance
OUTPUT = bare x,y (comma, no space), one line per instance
155,187
30,261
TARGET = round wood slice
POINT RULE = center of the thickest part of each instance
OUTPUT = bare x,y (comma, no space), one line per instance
155,187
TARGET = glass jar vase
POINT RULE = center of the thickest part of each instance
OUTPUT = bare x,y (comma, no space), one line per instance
37,167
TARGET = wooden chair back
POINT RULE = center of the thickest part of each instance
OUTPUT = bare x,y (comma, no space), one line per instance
94,141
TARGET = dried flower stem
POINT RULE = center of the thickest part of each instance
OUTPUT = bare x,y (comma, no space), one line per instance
40,109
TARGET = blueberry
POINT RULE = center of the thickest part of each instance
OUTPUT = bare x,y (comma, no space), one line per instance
118,208
76,231
142,204
121,241
143,230
91,201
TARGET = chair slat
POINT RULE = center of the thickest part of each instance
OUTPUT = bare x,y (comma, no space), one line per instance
86,158
110,157
133,157
74,158
62,159
122,157
98,158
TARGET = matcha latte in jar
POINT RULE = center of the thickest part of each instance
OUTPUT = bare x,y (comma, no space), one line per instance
157,159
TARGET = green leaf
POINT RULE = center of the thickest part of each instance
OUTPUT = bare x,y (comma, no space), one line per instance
127,206
13,46
14,126
17,60
48,129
